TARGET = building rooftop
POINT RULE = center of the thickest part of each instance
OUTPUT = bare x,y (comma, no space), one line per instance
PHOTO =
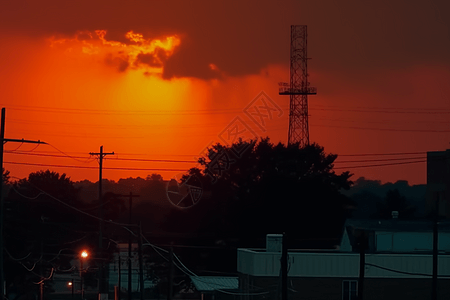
213,283
396,225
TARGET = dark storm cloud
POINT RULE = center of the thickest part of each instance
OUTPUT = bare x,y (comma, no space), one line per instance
154,60
242,37
120,62
148,59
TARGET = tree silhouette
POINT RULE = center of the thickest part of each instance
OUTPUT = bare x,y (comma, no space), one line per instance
39,225
260,187
394,201
6,176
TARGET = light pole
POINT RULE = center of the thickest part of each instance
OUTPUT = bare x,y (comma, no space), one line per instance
83,255
70,284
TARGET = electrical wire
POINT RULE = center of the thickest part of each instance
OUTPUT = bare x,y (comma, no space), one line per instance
383,154
127,154
17,259
383,129
58,254
86,167
380,165
378,160
26,197
80,211
403,272
122,113
20,145
90,160
45,278
426,110
437,112
71,242
69,156
188,272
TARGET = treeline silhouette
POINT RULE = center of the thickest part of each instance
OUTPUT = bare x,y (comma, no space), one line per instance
243,192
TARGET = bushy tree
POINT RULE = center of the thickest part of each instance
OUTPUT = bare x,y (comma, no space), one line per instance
259,187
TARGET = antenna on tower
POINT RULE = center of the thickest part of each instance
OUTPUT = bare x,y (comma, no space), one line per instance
298,89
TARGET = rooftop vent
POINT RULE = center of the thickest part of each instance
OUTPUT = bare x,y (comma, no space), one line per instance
394,214
274,242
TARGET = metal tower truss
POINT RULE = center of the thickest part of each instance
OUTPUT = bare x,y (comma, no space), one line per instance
298,89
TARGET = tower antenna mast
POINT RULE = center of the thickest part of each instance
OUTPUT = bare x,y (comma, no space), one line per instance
298,88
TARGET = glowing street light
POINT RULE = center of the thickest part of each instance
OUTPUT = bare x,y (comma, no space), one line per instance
70,285
83,255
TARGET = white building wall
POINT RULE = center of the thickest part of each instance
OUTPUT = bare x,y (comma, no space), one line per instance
307,264
411,241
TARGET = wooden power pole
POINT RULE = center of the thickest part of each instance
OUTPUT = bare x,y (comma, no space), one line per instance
2,142
434,287
130,240
284,268
141,262
101,282
363,242
170,285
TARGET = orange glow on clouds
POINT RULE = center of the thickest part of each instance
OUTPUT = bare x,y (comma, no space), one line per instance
139,54
65,91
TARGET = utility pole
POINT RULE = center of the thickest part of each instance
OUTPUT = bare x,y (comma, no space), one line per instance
119,283
2,143
141,267
170,285
71,285
434,287
130,240
284,268
298,89
41,267
101,155
362,264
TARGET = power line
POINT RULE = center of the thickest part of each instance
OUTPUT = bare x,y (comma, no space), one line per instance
382,160
67,155
380,121
84,152
185,170
421,112
190,273
121,112
386,108
445,110
379,165
86,167
79,210
383,129
382,154
113,158
404,272
193,155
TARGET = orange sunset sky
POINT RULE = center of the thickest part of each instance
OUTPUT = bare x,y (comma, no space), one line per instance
158,81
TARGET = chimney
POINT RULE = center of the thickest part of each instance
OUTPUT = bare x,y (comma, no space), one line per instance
394,214
274,242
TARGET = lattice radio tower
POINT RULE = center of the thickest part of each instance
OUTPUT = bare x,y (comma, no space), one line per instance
298,89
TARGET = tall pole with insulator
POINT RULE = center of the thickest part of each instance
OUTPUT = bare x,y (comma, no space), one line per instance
298,88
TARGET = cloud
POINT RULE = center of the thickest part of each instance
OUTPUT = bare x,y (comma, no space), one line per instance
155,59
121,63
138,53
148,59
244,38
